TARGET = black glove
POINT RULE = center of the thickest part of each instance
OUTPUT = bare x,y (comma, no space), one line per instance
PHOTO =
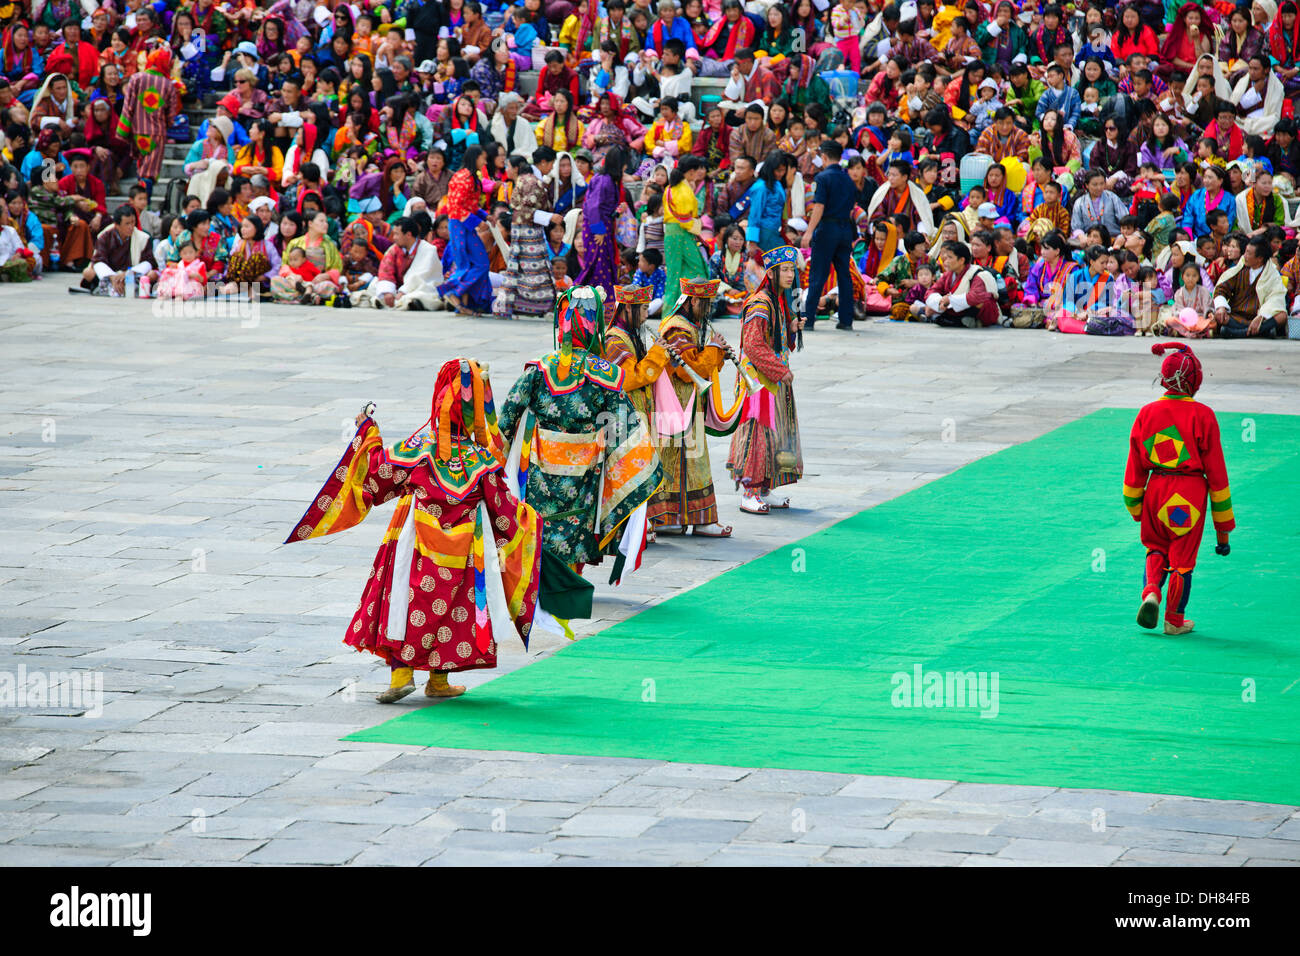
1223,549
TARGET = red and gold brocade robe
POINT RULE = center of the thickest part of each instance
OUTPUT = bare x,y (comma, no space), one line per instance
1174,459
439,594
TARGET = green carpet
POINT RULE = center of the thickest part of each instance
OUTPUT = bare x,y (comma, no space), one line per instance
1024,564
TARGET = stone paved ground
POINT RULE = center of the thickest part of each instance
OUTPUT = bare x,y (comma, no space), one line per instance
152,465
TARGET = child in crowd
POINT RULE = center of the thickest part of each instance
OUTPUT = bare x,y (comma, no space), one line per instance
970,209
313,287
650,272
1161,228
560,274
1049,215
164,249
1192,305
1090,113
186,277
1128,225
359,267
1145,300
1233,248
652,227
981,111
900,148
1147,189
794,142
915,296
626,266
1207,154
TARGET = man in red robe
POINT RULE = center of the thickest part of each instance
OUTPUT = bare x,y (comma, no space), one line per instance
965,295
90,213
1174,459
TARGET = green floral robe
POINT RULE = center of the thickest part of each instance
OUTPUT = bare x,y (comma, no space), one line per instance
588,459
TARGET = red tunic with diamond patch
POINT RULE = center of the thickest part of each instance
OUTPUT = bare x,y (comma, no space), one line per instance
1174,461
430,579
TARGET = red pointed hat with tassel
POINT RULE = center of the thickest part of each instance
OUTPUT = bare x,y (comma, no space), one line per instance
1180,372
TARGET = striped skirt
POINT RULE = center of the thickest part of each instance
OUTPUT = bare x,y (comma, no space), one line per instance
526,287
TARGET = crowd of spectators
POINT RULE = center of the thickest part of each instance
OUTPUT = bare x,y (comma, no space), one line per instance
1097,168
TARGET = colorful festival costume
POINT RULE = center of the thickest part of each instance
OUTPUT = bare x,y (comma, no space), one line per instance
1174,459
765,450
527,287
459,566
624,348
149,105
579,454
687,497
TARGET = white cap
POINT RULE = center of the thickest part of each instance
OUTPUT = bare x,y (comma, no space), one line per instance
988,211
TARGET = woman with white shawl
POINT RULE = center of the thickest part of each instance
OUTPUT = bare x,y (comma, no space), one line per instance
943,234
61,112
1263,13
1261,112
566,191
1222,88
210,159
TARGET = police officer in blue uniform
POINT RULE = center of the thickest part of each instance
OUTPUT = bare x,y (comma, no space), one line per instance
830,234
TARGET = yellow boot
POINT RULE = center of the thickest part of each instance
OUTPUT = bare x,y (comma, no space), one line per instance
402,683
438,686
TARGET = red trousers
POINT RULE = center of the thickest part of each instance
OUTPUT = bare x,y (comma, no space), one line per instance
1173,517
1173,520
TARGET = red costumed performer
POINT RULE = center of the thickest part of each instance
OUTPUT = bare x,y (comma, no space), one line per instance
459,566
1174,459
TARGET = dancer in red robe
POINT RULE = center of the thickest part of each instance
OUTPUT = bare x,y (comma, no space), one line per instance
459,566
1174,459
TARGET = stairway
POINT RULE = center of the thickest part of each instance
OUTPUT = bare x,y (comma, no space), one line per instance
173,161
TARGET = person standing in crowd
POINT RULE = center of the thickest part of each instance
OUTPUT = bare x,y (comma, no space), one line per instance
830,235
150,104
683,255
467,289
600,206
527,287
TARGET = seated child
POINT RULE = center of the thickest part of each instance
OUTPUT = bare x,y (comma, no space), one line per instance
915,296
1048,216
1161,228
970,208
186,277
1145,300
